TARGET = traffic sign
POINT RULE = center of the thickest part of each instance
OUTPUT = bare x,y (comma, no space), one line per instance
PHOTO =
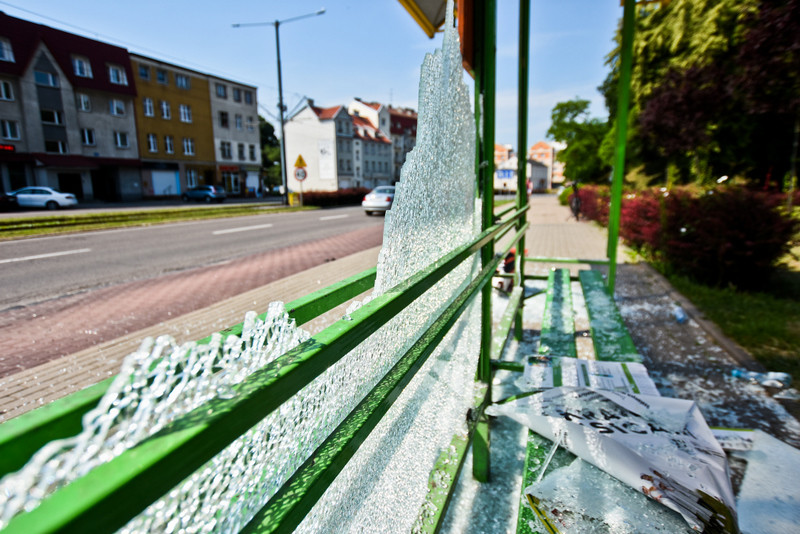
300,174
300,162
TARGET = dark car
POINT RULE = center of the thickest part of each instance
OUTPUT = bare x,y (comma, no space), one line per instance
205,193
8,202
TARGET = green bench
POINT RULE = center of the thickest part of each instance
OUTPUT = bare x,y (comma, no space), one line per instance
611,341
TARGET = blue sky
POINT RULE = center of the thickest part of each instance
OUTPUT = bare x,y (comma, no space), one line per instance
366,48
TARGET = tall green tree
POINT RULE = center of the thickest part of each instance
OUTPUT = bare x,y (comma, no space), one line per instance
270,153
583,135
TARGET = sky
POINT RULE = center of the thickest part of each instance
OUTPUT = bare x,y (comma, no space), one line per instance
371,49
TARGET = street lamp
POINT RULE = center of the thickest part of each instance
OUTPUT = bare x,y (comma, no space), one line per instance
281,107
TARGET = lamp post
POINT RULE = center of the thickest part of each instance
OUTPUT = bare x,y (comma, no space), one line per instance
281,106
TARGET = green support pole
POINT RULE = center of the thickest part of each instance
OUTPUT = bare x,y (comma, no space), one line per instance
623,98
485,42
522,143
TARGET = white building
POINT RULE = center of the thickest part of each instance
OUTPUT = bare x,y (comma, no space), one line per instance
505,176
341,147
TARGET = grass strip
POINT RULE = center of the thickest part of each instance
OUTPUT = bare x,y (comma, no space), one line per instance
766,324
15,228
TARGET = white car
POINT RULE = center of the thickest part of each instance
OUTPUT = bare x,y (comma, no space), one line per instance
43,197
379,200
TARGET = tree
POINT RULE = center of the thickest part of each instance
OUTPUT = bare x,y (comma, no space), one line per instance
583,136
270,153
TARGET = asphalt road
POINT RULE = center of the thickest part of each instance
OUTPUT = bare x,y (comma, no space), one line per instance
35,270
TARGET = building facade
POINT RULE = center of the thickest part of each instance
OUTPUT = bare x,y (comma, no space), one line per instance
505,176
173,116
546,153
237,145
67,113
91,119
361,145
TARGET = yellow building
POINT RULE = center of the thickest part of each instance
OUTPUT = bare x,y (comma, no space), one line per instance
174,125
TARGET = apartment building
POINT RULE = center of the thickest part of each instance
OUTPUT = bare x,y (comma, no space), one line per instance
545,153
174,127
362,144
66,113
236,137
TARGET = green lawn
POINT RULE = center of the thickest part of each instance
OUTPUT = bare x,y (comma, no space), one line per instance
20,227
766,324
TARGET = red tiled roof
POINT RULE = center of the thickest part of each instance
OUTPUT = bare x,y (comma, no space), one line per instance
25,37
325,113
402,120
363,129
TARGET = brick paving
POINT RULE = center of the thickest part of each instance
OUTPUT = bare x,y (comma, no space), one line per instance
32,335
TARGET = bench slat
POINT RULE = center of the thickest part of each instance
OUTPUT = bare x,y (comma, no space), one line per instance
610,337
558,325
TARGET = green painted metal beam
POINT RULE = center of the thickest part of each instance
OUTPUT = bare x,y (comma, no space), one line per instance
567,260
522,144
22,436
610,337
501,365
623,99
500,337
296,498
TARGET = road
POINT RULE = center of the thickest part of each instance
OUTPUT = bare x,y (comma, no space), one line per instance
36,270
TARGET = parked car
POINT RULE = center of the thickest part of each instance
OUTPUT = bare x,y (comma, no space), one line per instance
8,202
379,200
43,197
205,193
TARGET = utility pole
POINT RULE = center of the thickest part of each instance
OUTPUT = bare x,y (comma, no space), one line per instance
281,106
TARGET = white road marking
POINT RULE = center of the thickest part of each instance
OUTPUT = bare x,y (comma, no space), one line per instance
241,229
49,255
329,217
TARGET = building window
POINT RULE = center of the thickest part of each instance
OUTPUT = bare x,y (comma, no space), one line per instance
188,146
341,164
81,67
222,90
231,181
252,152
225,150
6,53
121,139
161,76
182,81
144,72
250,127
237,94
191,177
84,102
6,91
10,129
223,119
152,142
45,78
117,75
186,113
166,112
349,165
238,122
149,110
169,144
87,136
241,151
248,97
52,116
59,147
117,107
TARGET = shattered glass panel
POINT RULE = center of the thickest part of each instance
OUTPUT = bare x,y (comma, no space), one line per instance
384,485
